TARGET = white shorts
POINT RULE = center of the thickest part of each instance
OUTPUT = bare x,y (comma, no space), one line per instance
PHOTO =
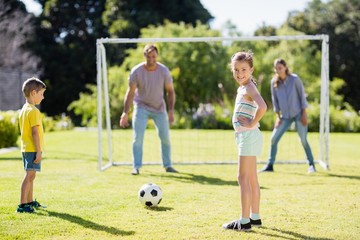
249,142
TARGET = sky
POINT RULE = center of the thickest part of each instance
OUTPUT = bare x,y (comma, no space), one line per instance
247,15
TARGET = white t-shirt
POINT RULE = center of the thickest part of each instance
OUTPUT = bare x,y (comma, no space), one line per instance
149,93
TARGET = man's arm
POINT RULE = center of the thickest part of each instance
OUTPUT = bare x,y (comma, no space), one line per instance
169,87
128,100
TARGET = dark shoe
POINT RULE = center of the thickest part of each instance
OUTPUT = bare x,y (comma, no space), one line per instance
135,171
36,204
256,223
171,169
25,208
267,168
237,226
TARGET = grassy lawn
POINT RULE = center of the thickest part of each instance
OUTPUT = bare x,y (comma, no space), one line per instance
84,203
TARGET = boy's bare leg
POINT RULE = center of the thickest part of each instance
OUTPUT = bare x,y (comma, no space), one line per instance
27,187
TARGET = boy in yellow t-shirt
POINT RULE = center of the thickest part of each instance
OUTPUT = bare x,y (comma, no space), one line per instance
32,141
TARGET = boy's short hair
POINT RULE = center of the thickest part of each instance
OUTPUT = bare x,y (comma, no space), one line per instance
149,48
32,84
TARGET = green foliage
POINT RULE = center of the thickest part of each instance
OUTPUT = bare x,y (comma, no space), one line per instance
196,75
340,20
199,80
344,120
126,18
66,40
85,107
57,123
9,130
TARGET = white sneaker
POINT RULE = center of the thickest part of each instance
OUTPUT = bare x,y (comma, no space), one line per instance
311,169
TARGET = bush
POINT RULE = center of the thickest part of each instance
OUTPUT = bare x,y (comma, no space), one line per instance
57,123
9,131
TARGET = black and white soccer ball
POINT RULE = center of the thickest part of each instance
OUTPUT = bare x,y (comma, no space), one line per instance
150,195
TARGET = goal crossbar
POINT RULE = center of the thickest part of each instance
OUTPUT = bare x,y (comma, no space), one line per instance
102,86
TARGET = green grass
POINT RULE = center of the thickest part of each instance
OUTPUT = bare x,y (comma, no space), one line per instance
84,203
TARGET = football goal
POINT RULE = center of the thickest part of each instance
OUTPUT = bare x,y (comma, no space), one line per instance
189,146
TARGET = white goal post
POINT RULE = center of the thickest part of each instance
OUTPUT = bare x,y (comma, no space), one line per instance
102,86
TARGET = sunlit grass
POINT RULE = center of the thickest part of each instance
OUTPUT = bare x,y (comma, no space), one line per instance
84,203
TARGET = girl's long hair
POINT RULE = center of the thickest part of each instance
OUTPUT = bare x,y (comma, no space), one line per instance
287,71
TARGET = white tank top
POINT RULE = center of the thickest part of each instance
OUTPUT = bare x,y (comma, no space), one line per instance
243,107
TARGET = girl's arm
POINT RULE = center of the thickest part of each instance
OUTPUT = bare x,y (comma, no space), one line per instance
255,95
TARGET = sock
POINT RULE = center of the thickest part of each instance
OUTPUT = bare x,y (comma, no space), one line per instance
244,220
255,216
29,203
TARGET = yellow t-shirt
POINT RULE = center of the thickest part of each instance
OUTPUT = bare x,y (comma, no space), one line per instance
29,117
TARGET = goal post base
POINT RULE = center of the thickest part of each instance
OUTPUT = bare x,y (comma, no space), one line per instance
230,162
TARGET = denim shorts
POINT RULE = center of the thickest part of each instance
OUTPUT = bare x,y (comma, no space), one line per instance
249,142
28,160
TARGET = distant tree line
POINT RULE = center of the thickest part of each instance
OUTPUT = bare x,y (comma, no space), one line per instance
61,43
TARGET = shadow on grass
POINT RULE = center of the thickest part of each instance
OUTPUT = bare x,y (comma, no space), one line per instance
159,209
190,177
292,235
326,174
68,155
343,176
86,223
10,158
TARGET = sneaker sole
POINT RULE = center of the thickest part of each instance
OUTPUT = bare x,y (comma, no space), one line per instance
238,230
23,212
42,206
253,225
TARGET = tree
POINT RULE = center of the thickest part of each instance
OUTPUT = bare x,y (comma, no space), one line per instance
125,18
200,70
66,40
67,33
340,19
16,30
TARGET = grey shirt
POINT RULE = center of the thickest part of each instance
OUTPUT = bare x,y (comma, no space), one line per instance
289,97
150,85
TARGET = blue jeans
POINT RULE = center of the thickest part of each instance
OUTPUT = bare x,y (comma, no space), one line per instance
139,122
281,129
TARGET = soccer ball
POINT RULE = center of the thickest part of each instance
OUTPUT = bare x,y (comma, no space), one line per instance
150,195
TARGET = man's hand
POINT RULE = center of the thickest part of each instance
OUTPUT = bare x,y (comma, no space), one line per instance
171,116
124,120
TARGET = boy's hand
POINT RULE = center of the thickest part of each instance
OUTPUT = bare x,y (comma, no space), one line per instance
38,158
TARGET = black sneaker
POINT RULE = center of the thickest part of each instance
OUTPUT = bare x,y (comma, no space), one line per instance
256,223
36,204
267,168
171,169
237,226
25,208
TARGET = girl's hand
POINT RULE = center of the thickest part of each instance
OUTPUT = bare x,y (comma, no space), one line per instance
245,122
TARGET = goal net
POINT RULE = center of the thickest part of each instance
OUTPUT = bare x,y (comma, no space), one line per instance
200,146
